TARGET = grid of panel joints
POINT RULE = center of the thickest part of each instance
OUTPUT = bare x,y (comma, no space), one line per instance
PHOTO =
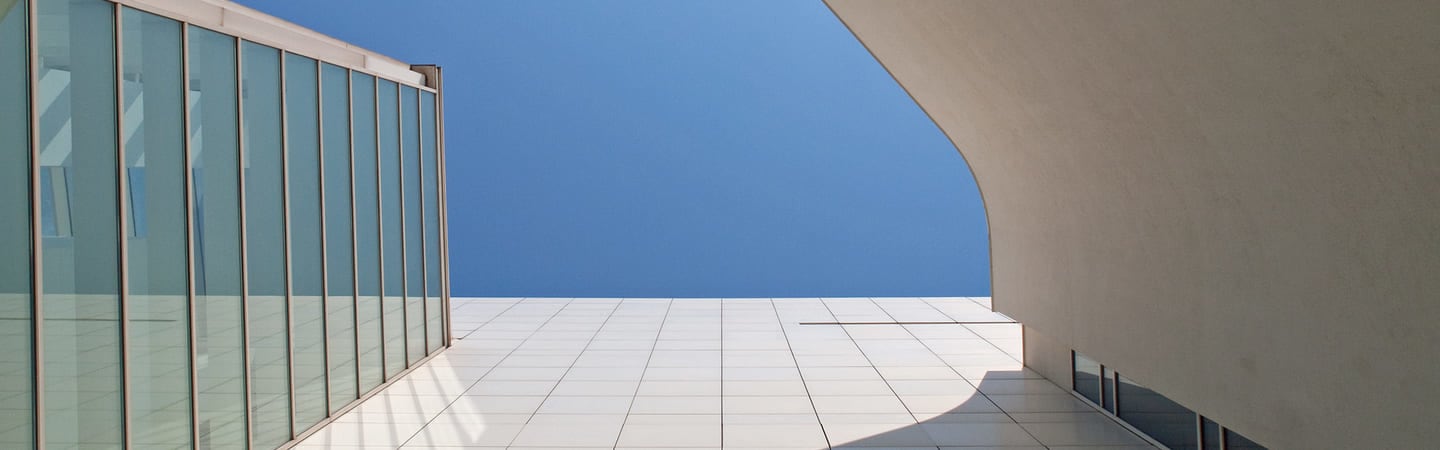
40,215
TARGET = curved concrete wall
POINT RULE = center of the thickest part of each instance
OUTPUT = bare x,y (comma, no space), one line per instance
1234,203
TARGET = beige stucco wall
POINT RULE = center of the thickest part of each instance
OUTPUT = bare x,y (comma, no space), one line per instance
1234,203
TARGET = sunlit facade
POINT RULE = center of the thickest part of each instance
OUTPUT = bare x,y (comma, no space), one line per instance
217,229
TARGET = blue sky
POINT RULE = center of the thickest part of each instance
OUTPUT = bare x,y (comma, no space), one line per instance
677,149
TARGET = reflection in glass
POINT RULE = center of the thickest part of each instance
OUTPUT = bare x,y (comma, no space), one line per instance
306,254
16,368
1086,377
393,239
1158,416
431,205
339,266
214,171
1234,441
414,247
79,207
159,316
265,253
1107,388
367,232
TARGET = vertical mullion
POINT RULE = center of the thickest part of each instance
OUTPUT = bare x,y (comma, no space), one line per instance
122,232
404,243
380,229
244,240
189,234
37,366
354,232
442,205
324,249
420,189
285,204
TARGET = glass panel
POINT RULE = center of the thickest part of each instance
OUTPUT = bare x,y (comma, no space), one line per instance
414,261
1107,388
16,371
1087,377
393,238
214,171
302,121
1157,416
159,316
430,174
1209,434
367,232
265,259
80,205
339,266
1234,441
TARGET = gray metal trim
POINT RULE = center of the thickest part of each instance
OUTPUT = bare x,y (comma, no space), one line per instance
37,349
444,205
324,248
420,189
246,358
285,203
122,232
226,17
189,235
354,234
380,228
404,244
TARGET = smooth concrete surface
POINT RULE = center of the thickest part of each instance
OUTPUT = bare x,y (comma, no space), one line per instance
594,373
1234,203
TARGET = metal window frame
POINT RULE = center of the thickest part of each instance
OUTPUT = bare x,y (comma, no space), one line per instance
122,218
188,176
122,185
285,204
240,144
354,233
37,276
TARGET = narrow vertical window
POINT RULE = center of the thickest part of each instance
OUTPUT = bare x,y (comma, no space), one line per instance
393,239
79,184
158,337
264,167
339,260
17,384
430,175
307,275
367,232
414,245
215,186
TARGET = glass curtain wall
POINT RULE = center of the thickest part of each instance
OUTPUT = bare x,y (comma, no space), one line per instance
17,384
205,242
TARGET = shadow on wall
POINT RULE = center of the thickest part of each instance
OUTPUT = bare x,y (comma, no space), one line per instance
1004,420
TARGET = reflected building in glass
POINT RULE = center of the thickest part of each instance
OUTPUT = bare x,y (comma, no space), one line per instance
217,229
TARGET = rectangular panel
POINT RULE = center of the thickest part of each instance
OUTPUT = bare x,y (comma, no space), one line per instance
393,237
265,252
17,380
367,232
430,175
302,127
215,184
158,337
339,263
414,245
1086,377
1157,416
80,206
